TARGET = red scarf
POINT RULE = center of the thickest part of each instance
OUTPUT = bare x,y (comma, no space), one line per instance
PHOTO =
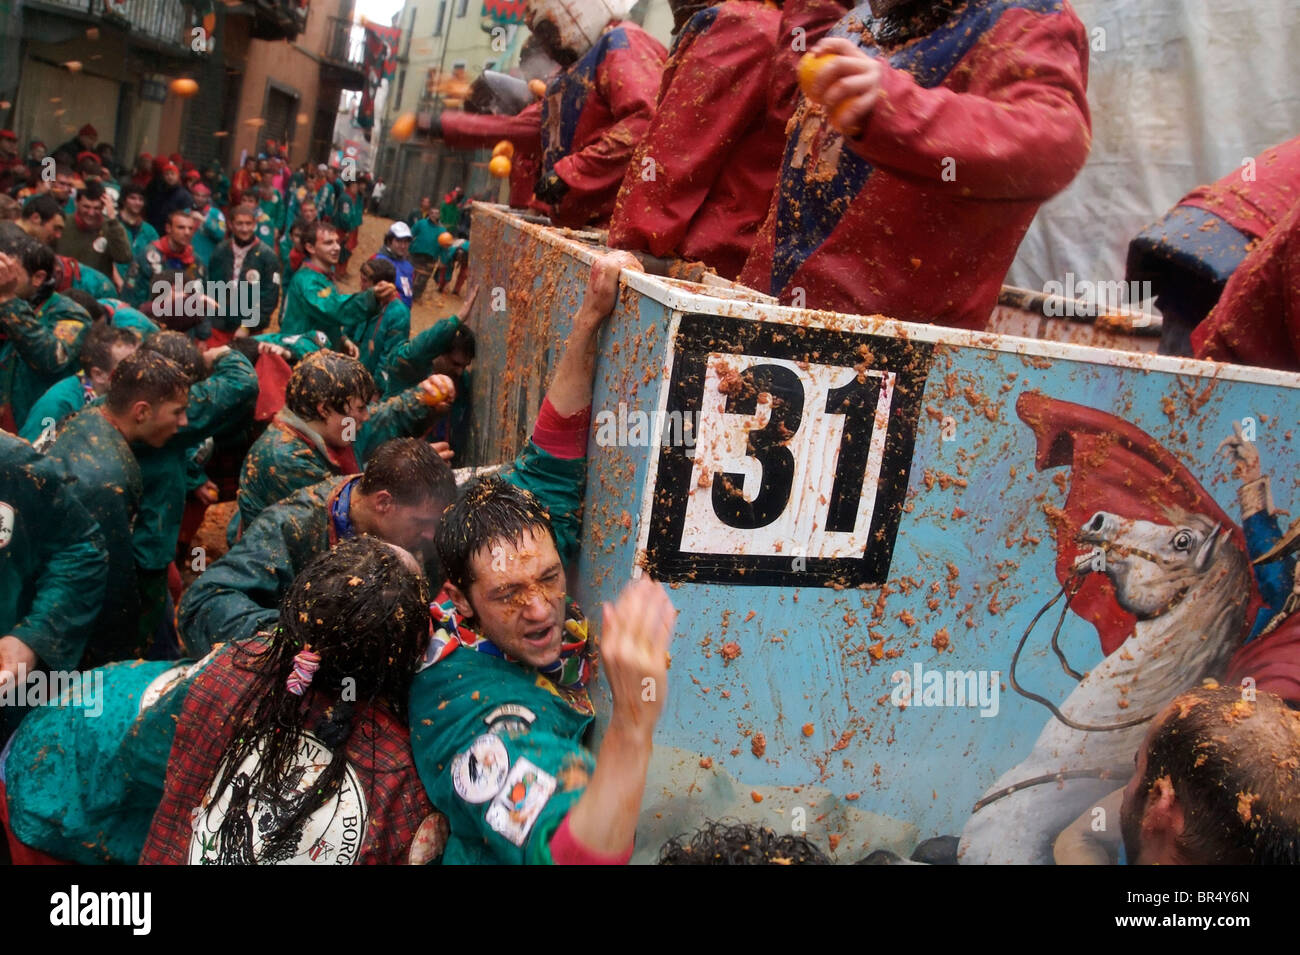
186,256
343,460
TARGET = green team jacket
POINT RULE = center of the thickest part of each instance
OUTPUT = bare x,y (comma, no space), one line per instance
224,400
240,594
289,455
312,303
37,348
84,779
499,750
412,360
520,718
93,282
108,484
261,269
61,401
53,563
273,208
140,235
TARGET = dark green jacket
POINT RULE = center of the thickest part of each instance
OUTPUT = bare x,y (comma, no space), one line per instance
411,361
37,348
313,303
221,402
61,401
260,268
289,455
109,485
112,238
53,563
240,593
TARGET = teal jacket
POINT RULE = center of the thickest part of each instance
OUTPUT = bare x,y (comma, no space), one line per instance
141,235
83,780
411,361
53,565
107,482
314,304
209,235
37,348
63,399
222,402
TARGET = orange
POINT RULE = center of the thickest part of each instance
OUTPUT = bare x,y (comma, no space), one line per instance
184,87
809,66
403,127
499,167
537,88
504,148
446,239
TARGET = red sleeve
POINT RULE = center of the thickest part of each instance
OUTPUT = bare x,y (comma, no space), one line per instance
1022,131
567,850
561,437
803,23
476,130
1257,319
710,100
628,81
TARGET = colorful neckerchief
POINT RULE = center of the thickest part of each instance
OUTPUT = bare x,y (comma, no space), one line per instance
567,677
341,511
184,258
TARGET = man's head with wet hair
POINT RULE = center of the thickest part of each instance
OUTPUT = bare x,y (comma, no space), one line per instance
330,379
1217,782
377,270
37,261
94,308
147,394
724,843
104,348
181,349
401,496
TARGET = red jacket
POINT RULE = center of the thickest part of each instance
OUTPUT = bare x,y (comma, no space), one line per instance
1257,318
586,127
380,810
715,143
919,216
1254,205
524,131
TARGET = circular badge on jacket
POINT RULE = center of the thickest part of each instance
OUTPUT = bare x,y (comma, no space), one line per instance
100,243
479,773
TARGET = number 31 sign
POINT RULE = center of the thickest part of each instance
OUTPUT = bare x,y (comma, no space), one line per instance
801,454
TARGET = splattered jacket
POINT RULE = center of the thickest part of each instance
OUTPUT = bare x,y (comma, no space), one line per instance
591,119
37,348
221,403
380,815
83,780
919,216
700,182
499,744
109,485
53,563
289,455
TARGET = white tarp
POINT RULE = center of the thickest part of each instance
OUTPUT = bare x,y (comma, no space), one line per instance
1181,92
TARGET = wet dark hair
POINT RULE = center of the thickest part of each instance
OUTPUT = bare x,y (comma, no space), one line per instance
365,614
44,205
463,341
329,378
35,256
92,305
181,349
97,349
1235,769
132,189
489,509
145,376
736,843
93,190
171,216
379,270
411,471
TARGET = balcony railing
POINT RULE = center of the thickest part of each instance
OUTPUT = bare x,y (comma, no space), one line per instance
164,20
345,44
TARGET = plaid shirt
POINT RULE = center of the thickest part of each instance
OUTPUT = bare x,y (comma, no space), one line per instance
398,819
